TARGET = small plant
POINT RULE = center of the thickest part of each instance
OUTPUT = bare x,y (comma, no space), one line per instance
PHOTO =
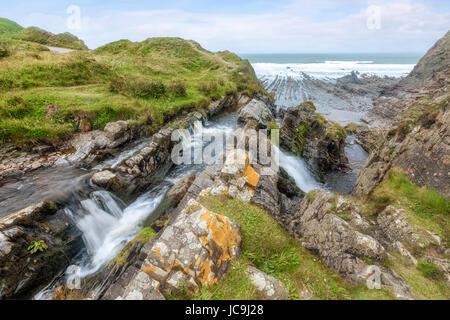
36,246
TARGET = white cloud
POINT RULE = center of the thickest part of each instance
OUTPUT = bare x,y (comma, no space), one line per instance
405,26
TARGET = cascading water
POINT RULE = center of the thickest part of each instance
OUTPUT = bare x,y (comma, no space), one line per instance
107,224
299,171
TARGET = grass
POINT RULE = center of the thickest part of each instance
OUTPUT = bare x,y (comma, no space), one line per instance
266,246
424,208
8,26
422,280
152,81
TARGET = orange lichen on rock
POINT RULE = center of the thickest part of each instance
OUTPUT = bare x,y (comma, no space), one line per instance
252,176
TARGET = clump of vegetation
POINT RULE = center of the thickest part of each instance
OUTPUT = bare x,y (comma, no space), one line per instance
37,245
139,88
309,104
4,50
303,132
430,271
266,246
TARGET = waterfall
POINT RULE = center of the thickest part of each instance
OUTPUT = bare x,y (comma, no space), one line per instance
299,171
107,225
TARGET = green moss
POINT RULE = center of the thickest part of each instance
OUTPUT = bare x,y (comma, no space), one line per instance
303,132
145,235
311,196
266,246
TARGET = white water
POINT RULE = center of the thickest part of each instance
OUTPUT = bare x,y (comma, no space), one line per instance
298,170
330,69
107,226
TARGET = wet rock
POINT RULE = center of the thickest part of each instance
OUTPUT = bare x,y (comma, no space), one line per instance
319,141
268,286
179,190
103,178
147,161
256,110
23,273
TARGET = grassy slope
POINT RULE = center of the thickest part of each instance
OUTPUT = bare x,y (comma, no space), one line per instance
269,248
425,209
8,26
154,80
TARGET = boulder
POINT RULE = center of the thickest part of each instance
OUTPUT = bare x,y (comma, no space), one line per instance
256,110
319,141
103,178
268,286
197,248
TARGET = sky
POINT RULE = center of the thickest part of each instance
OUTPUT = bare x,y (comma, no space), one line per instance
247,26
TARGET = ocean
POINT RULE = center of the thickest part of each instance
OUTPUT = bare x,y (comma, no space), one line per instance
332,66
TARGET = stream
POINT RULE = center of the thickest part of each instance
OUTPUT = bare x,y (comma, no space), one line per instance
106,222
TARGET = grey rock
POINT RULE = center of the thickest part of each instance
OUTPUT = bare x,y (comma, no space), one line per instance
270,287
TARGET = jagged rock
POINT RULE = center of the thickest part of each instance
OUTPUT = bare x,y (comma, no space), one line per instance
142,287
367,137
237,178
393,226
422,154
196,248
179,190
319,141
430,79
256,110
118,133
21,272
147,161
271,288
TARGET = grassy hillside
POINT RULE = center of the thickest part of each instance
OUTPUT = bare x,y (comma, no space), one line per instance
63,40
151,82
8,26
